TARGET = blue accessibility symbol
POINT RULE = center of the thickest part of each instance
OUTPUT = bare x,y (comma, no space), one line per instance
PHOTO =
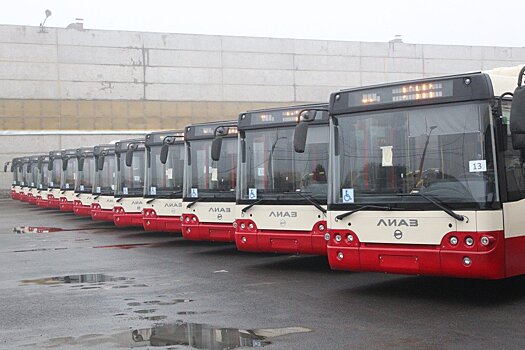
252,193
348,195
194,192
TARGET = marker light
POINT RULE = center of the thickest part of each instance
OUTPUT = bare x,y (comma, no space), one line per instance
188,230
340,255
250,226
485,240
469,241
338,238
243,226
243,239
453,240
326,236
467,261
321,227
235,224
350,238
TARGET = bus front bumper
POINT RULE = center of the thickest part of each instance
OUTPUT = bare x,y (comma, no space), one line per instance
459,260
194,230
152,222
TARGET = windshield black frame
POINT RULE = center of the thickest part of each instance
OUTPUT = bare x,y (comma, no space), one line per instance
86,177
164,180
104,180
130,180
431,143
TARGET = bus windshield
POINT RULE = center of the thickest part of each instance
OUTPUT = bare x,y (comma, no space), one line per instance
35,175
69,176
43,178
273,167
56,173
208,178
105,178
130,180
165,179
391,156
84,183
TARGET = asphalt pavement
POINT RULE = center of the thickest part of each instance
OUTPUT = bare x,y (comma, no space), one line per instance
87,284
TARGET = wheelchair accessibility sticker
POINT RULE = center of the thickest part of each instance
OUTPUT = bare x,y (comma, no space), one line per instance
252,193
348,195
194,192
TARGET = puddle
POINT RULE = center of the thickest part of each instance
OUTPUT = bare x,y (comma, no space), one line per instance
145,311
153,318
173,302
124,246
196,312
37,250
135,303
195,335
74,279
47,229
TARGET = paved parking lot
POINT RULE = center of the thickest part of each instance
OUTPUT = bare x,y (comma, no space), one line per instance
94,286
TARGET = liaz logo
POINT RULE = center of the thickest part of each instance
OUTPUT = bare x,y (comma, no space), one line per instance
283,214
136,203
397,222
219,210
172,205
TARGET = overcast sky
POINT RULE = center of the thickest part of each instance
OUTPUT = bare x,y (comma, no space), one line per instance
463,22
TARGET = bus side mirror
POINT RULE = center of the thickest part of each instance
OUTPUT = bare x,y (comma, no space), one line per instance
129,157
336,141
216,146
517,114
299,137
164,153
100,162
5,167
64,164
81,163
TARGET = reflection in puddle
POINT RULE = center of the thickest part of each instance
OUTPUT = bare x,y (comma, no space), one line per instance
145,311
47,229
84,278
153,318
124,246
196,335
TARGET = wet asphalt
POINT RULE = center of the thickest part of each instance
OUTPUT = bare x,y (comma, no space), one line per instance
138,280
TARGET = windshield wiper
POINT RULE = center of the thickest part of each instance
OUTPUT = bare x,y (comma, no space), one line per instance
248,207
119,199
368,206
171,195
310,200
191,204
437,203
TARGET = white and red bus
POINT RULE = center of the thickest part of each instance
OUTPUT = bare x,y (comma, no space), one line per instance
42,179
50,198
281,197
129,182
424,178
103,183
162,208
33,179
13,165
67,182
24,178
84,181
208,204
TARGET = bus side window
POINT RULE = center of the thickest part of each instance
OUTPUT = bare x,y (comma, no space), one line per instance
514,163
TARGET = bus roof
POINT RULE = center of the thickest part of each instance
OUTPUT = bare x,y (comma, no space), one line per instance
504,79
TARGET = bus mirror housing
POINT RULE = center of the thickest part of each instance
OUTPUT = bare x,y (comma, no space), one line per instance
216,146
129,157
100,162
164,153
299,137
64,163
5,167
517,114
81,163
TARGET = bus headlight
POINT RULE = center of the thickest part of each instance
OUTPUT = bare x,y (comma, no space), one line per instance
469,241
326,236
340,255
321,227
467,261
338,238
453,240
243,239
243,226
350,238
485,240
250,226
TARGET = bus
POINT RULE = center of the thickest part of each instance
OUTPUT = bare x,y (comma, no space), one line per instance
164,181
42,181
424,178
24,184
13,165
84,181
281,197
51,198
129,185
208,203
103,183
67,182
33,175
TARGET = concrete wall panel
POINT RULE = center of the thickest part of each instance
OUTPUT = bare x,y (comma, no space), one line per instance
257,77
177,75
183,58
100,55
101,73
